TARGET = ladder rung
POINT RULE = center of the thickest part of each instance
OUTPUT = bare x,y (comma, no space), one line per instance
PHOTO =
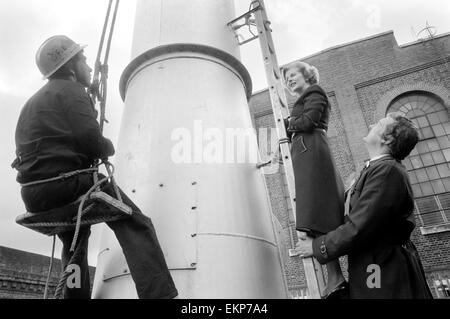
271,50
281,102
248,40
275,73
245,15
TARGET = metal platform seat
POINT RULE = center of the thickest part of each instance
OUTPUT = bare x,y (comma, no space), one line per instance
99,207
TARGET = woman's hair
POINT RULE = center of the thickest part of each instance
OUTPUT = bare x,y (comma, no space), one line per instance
309,72
402,136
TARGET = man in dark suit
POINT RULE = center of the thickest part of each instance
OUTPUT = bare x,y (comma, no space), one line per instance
382,261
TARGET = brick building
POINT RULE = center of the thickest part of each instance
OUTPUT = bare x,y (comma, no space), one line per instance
364,80
23,275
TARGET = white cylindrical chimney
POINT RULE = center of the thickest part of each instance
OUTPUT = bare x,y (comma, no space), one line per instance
185,158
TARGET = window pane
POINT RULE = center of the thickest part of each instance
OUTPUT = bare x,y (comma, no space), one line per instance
433,118
427,132
445,200
405,108
413,152
427,159
447,127
438,130
421,175
415,113
433,145
416,190
447,154
427,106
420,135
443,117
438,157
443,142
416,162
422,147
422,121
426,188
447,214
407,163
414,103
411,114
446,182
432,172
427,204
438,186
430,219
412,177
444,170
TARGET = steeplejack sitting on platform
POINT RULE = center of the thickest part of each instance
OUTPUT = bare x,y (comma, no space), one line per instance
59,144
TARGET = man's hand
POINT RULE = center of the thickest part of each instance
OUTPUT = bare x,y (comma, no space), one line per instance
304,247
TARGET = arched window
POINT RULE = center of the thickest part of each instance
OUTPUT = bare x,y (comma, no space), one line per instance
428,164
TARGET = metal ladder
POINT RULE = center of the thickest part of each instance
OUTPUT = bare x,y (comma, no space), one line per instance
257,17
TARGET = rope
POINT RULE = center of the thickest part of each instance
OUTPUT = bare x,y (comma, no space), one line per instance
74,248
102,40
61,284
104,73
65,275
50,268
98,89
61,176
110,170
85,222
80,209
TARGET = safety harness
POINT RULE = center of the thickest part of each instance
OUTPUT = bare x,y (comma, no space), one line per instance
94,207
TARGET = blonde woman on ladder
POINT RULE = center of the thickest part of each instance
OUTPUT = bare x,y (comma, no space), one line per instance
318,185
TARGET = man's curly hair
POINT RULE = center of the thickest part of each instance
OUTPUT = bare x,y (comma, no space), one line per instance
402,136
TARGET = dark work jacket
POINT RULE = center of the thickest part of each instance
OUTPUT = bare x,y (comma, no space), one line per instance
57,132
377,232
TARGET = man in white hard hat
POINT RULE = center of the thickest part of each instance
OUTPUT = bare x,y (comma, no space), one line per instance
57,132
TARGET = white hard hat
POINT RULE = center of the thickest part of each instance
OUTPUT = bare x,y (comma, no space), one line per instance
55,52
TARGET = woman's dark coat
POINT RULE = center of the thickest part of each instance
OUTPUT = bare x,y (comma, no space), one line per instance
318,185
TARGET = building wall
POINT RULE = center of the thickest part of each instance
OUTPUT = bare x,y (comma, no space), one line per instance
361,79
23,275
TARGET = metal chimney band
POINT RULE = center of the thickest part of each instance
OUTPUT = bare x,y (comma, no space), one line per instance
236,66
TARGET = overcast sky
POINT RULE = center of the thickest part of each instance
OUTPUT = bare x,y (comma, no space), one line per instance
300,28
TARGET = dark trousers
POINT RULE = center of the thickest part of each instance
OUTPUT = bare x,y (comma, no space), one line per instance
136,236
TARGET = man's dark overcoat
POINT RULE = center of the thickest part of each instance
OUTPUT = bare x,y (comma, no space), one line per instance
376,236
